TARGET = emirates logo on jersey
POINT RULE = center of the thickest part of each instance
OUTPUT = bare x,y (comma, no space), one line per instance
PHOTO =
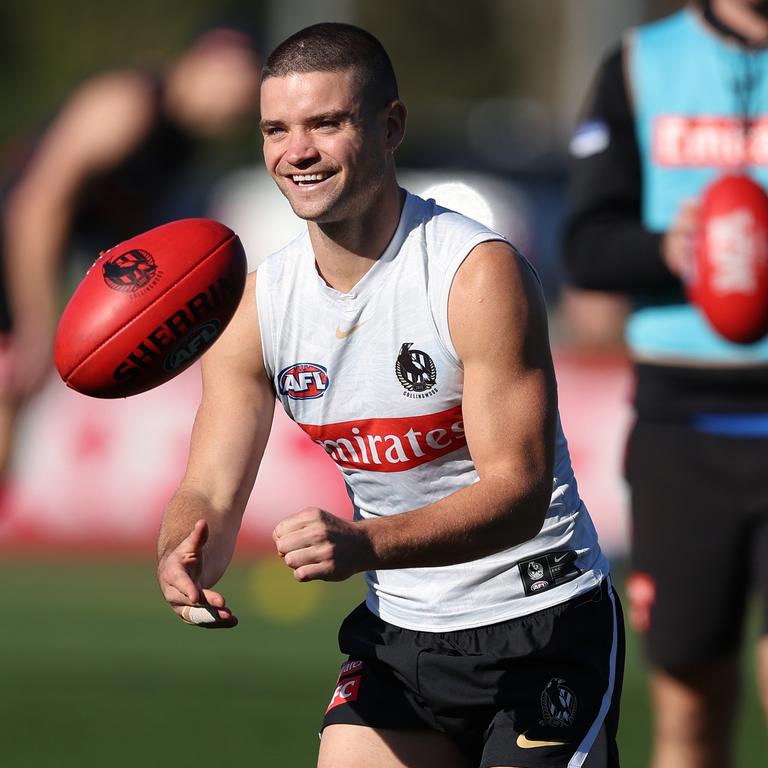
680,141
391,445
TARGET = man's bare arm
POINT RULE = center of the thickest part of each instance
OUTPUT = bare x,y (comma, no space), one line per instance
200,524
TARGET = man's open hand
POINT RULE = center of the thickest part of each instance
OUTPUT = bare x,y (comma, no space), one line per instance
179,572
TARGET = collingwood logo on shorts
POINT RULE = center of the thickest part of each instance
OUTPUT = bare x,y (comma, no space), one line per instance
558,703
416,371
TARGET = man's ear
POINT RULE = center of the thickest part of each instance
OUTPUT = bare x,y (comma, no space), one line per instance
395,116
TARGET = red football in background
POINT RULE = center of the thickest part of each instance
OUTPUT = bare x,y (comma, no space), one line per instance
730,282
149,307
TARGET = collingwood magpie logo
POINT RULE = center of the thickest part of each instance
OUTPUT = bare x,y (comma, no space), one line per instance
535,570
416,371
558,703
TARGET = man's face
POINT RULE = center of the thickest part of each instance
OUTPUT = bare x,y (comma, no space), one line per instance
324,148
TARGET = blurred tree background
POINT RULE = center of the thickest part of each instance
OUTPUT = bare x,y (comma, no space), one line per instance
492,83
492,86
48,47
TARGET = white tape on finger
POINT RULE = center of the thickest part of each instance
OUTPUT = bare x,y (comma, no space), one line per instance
194,614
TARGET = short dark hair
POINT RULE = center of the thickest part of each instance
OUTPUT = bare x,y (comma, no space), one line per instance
334,47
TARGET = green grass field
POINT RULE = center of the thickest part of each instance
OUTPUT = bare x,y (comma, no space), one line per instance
95,671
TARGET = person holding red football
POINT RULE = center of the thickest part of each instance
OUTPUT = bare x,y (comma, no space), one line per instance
106,168
682,102
410,342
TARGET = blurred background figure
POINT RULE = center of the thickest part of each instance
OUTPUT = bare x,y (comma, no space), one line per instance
684,100
113,162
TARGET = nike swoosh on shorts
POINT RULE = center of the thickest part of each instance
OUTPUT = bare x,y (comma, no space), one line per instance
526,743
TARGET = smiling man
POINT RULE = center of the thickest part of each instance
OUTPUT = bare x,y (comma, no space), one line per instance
411,343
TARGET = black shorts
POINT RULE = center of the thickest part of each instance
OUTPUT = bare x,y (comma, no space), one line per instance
531,692
699,540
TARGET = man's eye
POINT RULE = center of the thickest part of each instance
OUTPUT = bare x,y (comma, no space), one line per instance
273,130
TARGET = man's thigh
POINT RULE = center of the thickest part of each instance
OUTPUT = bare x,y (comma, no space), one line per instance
356,746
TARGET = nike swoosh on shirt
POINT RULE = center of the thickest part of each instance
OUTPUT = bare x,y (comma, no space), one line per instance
343,334
562,557
526,743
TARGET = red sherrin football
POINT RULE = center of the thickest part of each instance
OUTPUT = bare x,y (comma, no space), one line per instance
730,283
149,307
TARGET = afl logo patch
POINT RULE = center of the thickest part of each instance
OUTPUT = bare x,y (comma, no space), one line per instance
130,271
303,381
416,371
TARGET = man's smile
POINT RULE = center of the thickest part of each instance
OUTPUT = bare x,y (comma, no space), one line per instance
309,179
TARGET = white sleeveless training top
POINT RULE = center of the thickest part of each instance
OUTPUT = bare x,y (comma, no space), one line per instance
372,376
